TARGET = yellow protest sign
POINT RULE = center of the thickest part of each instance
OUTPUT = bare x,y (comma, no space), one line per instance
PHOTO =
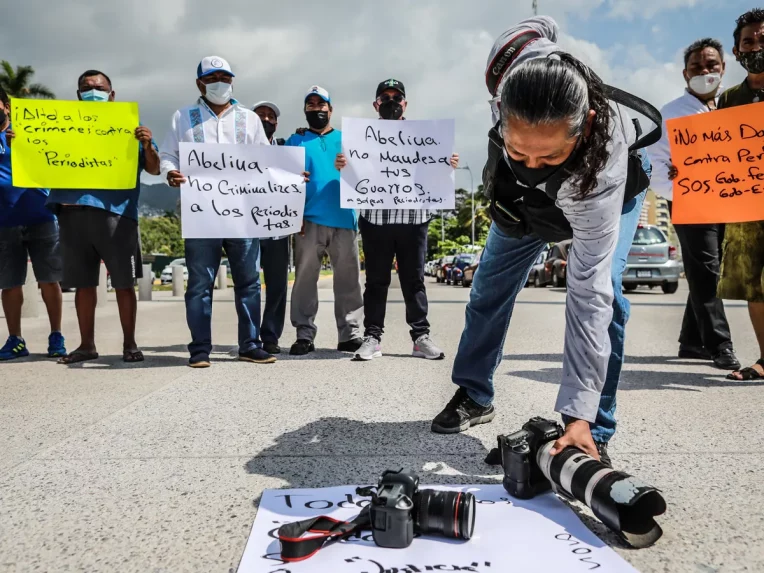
74,144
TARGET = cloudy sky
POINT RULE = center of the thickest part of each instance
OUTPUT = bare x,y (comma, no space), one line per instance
278,48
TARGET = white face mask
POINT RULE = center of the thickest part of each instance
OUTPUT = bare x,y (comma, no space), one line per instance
704,85
219,93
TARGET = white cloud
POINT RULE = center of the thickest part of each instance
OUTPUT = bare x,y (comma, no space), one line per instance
438,48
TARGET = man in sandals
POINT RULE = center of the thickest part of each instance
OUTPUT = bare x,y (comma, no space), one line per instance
102,225
742,272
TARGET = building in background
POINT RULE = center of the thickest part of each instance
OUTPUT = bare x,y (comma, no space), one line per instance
655,212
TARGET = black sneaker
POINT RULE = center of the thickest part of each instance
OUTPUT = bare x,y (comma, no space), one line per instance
604,457
726,360
694,353
302,347
350,345
258,356
460,414
271,348
199,361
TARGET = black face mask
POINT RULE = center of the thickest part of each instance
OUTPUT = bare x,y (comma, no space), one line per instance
753,62
3,116
270,128
390,110
317,119
533,177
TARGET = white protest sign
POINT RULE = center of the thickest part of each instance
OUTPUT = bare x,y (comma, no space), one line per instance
394,164
541,535
241,191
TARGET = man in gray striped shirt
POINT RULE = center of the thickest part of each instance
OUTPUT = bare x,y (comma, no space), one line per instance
394,234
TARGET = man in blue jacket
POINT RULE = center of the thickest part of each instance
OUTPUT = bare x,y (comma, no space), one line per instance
327,229
28,230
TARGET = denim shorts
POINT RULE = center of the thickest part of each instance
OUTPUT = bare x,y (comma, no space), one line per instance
38,243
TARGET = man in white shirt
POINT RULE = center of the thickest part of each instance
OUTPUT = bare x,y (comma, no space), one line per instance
217,118
705,333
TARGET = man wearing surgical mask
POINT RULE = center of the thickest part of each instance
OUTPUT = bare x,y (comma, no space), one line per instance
705,333
102,225
217,117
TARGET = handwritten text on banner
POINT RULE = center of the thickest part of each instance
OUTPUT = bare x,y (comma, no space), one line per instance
720,159
74,144
397,164
542,534
241,191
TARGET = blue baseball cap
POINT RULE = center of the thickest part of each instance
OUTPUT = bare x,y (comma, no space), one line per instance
212,64
320,92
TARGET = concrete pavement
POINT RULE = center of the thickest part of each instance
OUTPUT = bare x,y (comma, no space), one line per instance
157,467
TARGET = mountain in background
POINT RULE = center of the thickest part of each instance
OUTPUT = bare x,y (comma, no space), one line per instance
157,199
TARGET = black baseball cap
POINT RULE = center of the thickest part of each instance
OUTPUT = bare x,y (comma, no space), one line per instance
391,84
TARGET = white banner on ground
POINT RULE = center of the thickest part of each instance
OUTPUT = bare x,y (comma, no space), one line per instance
395,164
538,535
241,191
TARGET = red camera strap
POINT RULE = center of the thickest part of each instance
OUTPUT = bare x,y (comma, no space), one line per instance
298,545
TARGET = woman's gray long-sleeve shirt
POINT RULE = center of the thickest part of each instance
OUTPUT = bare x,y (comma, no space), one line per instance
595,223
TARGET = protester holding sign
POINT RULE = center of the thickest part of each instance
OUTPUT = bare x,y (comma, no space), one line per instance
557,168
102,225
217,117
328,229
274,253
705,333
28,231
395,234
742,273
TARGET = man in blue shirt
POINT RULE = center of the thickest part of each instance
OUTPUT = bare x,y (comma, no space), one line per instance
27,231
102,225
327,229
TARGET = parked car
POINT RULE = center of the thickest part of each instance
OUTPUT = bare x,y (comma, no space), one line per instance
429,268
443,268
166,276
461,262
553,271
537,271
652,261
470,270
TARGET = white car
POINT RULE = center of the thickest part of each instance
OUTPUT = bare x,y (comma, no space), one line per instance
166,276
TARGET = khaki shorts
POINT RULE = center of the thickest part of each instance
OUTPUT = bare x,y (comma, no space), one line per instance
742,272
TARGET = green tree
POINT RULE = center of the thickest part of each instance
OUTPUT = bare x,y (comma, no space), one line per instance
162,235
16,82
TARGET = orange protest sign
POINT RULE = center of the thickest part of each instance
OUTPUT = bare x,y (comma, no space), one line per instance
720,159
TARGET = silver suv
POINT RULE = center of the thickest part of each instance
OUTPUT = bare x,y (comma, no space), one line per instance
652,261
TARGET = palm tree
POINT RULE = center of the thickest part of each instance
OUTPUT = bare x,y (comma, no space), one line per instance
16,82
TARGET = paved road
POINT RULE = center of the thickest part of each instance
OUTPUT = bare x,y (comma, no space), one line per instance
157,467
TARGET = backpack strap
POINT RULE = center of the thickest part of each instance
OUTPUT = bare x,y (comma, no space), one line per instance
641,106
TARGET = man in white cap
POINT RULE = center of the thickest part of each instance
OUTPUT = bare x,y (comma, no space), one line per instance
269,114
327,229
217,117
274,253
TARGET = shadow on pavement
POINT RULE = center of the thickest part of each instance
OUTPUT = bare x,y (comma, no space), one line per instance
557,358
647,380
336,451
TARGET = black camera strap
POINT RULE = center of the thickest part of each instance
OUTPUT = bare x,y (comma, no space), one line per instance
296,546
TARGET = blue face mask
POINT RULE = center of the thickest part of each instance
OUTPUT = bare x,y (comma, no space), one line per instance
95,95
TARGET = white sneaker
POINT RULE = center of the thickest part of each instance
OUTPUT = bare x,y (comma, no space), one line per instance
371,348
424,347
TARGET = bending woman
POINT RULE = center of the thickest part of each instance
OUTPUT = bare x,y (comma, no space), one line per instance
557,169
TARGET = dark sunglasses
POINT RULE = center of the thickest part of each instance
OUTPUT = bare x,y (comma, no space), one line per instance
384,98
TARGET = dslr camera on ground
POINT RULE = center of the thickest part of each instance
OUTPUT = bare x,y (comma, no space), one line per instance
399,509
622,502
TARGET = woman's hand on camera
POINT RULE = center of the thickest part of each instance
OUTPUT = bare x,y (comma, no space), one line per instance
577,435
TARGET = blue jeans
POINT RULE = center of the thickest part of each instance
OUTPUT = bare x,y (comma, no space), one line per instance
503,272
203,260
